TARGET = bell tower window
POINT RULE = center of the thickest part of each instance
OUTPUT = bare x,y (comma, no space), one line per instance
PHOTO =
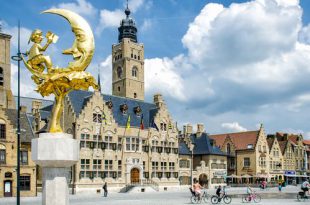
1,76
134,72
119,72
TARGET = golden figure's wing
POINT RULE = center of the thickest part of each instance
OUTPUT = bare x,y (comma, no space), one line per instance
83,46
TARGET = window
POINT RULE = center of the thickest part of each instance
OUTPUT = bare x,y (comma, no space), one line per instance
217,180
184,163
97,164
264,148
134,72
2,131
84,142
119,72
85,163
24,157
250,146
108,142
132,143
228,148
119,173
262,162
2,156
108,165
163,166
171,166
135,95
154,169
1,76
163,126
259,148
246,162
24,183
97,118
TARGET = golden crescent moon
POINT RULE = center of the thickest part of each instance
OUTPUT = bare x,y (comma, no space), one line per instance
83,47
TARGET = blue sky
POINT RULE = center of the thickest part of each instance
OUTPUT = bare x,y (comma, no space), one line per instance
228,64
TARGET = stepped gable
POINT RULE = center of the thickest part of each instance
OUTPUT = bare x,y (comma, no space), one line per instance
202,145
25,124
79,99
241,140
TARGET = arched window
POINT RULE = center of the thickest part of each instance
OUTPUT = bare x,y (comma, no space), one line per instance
1,76
135,95
134,72
228,148
2,154
2,129
119,72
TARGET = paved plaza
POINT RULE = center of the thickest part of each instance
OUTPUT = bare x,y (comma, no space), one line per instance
270,196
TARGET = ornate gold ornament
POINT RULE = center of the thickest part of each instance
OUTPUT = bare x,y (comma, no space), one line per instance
61,81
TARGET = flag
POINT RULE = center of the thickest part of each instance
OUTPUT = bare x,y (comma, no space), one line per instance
103,118
153,124
128,122
142,123
170,125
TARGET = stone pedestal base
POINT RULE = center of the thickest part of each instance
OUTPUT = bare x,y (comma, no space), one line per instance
55,153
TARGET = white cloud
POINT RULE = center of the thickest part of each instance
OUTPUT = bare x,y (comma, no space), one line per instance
110,19
147,24
233,127
106,75
81,7
304,34
161,76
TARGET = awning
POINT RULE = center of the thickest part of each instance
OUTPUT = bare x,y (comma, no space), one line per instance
233,176
291,175
246,176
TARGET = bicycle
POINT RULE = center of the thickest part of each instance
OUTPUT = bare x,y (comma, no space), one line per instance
195,199
215,199
248,198
302,195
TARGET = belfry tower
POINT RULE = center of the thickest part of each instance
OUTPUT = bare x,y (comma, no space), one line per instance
128,61
6,96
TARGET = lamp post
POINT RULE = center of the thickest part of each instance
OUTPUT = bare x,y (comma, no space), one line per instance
18,59
192,161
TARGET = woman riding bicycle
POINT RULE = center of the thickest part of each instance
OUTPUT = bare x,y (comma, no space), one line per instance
197,188
249,192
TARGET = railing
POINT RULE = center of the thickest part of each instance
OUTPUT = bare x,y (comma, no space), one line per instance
143,183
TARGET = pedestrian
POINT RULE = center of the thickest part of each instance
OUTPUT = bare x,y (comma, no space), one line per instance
280,185
105,189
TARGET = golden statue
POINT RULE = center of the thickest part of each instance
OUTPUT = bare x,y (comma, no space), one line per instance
60,81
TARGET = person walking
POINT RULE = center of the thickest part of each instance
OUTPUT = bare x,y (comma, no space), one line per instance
105,189
280,185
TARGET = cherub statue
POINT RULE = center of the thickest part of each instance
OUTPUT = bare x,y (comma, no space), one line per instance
36,59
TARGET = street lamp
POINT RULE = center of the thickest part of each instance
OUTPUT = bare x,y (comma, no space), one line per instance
18,59
192,161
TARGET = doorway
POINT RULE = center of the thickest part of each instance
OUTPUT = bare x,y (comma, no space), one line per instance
134,175
8,189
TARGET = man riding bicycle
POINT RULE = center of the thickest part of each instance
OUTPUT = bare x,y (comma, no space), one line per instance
305,186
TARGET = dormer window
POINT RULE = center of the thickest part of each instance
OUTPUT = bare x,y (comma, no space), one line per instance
250,146
124,108
137,110
109,104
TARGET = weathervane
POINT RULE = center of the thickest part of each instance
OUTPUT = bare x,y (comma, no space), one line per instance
61,81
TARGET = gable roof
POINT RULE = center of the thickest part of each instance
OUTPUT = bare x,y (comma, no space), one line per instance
25,124
241,140
79,98
270,142
184,149
202,145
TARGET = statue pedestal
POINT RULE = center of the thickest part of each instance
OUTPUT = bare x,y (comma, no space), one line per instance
55,153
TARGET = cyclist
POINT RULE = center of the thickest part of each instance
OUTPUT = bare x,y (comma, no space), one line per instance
264,184
197,188
249,192
218,191
305,186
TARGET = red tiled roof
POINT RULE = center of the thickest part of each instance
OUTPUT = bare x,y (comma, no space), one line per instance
306,142
241,140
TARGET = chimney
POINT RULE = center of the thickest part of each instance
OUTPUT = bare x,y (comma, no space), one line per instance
23,109
187,129
158,100
36,106
200,129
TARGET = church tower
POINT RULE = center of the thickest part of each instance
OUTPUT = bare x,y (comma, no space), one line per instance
128,62
6,96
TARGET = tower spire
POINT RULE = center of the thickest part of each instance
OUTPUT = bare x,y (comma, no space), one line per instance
99,78
127,27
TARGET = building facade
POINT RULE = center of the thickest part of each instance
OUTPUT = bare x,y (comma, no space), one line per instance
200,159
8,137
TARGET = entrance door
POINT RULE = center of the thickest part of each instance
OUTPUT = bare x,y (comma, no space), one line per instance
7,188
135,176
